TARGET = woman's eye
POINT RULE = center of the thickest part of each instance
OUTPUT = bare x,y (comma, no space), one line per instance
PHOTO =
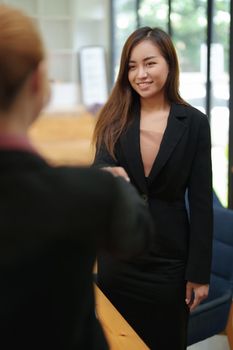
132,67
151,64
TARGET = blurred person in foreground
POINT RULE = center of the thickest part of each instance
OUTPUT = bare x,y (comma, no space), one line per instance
146,132
52,220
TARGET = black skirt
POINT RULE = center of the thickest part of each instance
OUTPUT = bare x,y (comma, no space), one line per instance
150,295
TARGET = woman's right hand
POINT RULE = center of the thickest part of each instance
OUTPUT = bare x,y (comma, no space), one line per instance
117,171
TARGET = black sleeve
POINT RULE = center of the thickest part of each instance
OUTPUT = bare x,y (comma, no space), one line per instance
201,209
130,223
103,158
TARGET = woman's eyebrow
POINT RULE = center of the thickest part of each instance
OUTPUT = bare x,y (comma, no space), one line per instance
148,58
144,59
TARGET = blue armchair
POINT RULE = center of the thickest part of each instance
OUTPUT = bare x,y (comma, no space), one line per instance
216,200
215,314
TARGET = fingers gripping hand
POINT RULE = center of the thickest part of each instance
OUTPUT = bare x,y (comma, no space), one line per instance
117,171
195,293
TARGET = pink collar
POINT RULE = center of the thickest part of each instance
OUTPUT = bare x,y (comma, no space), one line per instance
15,143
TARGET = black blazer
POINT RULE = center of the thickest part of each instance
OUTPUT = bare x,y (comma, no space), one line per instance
52,223
183,163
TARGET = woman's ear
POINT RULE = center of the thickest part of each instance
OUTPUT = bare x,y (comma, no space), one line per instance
37,78
39,83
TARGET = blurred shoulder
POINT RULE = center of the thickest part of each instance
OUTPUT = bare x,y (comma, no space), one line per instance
80,179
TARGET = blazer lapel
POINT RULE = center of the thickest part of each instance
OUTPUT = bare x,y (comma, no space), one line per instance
175,128
130,142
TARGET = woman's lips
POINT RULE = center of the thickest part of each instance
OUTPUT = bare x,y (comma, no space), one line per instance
144,84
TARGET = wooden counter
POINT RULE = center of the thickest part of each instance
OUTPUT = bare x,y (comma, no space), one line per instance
118,332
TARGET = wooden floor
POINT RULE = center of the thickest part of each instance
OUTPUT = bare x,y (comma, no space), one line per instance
64,139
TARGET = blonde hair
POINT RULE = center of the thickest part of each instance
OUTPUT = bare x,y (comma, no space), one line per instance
21,50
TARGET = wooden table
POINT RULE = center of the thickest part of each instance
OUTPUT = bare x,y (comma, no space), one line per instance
119,333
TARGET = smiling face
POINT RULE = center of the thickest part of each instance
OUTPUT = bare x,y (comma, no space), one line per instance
147,70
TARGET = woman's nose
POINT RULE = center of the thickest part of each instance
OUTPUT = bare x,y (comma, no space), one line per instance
142,72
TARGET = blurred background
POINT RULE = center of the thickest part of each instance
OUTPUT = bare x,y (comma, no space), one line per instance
84,41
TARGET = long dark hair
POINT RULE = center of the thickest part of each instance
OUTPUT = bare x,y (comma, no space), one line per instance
115,115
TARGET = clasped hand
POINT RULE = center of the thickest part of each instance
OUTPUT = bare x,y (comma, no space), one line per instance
117,171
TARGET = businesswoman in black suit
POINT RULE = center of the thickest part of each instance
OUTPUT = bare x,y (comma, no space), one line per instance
149,135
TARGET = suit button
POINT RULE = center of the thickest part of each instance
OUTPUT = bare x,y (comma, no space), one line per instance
145,197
